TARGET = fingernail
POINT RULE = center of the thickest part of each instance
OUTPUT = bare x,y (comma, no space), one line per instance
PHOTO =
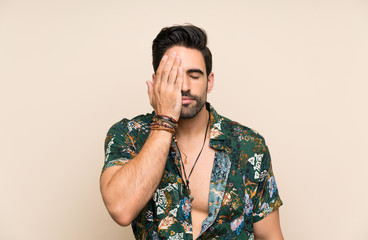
164,58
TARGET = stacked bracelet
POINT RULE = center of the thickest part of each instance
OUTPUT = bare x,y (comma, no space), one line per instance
158,127
163,122
165,119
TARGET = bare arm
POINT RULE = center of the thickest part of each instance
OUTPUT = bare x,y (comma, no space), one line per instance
268,228
127,189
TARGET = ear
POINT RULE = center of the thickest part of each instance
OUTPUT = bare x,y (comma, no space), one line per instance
210,82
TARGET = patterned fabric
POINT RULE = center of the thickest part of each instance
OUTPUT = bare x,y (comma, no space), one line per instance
242,188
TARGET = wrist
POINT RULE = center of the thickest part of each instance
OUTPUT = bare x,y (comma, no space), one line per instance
164,123
167,119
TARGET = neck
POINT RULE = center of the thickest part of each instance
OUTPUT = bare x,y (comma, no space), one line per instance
193,126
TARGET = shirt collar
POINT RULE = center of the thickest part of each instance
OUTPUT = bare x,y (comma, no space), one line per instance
218,135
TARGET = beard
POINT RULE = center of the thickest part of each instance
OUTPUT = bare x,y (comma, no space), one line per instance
188,111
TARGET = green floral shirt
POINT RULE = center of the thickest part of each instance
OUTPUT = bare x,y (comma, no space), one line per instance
242,188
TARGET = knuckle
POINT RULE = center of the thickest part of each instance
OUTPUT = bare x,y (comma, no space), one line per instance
165,71
172,75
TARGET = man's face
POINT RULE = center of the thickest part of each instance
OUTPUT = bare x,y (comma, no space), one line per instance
195,85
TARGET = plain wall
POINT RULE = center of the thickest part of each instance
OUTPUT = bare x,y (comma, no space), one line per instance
296,71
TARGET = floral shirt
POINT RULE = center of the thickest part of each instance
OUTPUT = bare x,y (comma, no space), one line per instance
242,188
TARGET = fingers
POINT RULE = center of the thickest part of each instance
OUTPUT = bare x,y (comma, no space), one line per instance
168,69
174,70
179,79
159,70
150,90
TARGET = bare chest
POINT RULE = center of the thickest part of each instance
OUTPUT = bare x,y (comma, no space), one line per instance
199,184
199,181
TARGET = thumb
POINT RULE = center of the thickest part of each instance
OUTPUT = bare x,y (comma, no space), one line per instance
149,89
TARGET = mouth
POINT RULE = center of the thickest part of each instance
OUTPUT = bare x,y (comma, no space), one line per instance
186,100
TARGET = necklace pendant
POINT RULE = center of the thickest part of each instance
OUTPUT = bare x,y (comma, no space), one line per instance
191,198
188,191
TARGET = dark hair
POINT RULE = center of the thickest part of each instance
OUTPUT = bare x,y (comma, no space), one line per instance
188,36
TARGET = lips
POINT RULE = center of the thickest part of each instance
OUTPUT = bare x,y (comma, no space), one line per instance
186,100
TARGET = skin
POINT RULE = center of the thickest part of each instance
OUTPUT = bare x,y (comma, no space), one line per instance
127,189
268,228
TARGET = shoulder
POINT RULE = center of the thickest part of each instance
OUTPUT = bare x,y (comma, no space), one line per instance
248,150
132,126
239,132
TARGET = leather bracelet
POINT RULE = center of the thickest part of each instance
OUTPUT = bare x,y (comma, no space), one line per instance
169,118
158,127
166,119
162,124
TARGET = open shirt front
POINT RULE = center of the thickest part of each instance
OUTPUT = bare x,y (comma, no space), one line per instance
242,188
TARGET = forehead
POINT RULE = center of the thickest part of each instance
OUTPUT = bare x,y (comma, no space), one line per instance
190,57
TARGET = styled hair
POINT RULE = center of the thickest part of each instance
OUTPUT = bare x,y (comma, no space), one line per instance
188,36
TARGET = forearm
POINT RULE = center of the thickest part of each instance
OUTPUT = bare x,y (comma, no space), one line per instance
127,189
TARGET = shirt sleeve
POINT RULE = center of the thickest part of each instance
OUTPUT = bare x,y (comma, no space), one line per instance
119,145
267,197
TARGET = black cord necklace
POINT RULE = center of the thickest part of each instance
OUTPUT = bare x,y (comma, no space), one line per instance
182,165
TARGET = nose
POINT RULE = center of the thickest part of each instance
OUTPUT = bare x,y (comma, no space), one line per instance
185,86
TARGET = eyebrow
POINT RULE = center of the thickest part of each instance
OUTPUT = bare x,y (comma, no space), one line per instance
195,70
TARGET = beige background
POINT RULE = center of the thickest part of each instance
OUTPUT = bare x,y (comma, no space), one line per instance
296,71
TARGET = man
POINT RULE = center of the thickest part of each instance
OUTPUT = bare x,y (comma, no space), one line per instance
184,171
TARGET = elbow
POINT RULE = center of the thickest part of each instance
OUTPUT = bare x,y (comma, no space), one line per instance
121,208
122,216
122,220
